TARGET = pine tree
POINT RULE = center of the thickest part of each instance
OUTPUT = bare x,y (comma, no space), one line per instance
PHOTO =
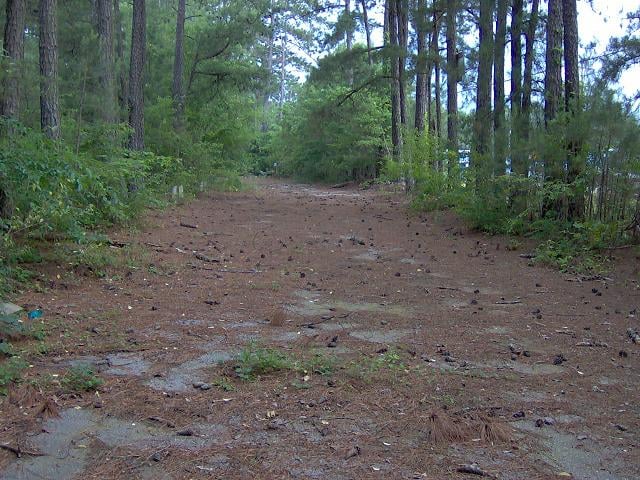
14,52
136,75
49,96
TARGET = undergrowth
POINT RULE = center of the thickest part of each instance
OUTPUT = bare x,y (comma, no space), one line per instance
53,197
255,361
11,371
79,379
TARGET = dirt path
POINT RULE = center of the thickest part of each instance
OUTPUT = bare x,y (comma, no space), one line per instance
413,347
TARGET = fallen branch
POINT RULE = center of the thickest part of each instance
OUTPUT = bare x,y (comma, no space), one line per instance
472,469
508,302
115,243
230,270
188,225
204,258
590,343
19,452
313,324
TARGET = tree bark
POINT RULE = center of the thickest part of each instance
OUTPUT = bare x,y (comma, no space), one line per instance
136,75
553,78
403,40
367,30
553,168
435,54
571,65
48,47
178,70
421,67
527,86
516,56
349,32
120,65
483,94
283,71
393,22
452,78
575,165
266,94
500,138
518,163
106,67
13,47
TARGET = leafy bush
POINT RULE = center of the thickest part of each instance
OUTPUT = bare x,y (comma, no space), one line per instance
48,191
254,361
81,378
10,371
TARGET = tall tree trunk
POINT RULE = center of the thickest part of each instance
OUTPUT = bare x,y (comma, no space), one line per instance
518,164
437,97
393,25
283,71
403,40
136,75
120,65
349,40
367,30
106,67
500,135
553,168
571,66
13,47
553,76
516,56
266,95
575,165
529,55
435,58
452,79
177,89
483,94
349,32
48,47
421,66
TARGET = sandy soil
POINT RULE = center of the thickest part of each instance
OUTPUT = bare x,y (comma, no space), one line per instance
415,349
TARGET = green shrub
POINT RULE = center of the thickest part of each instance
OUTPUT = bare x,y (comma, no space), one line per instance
254,361
81,378
10,372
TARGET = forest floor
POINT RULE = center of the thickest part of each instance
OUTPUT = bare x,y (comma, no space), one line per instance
296,331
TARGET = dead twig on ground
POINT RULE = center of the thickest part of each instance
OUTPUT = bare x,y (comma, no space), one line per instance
19,452
188,225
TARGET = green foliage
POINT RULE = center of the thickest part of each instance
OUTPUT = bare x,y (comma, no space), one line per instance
319,364
55,194
79,379
337,128
224,384
327,137
254,361
368,368
10,372
13,327
6,349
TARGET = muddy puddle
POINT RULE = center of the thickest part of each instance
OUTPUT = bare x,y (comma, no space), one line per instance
66,443
312,304
584,460
182,377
